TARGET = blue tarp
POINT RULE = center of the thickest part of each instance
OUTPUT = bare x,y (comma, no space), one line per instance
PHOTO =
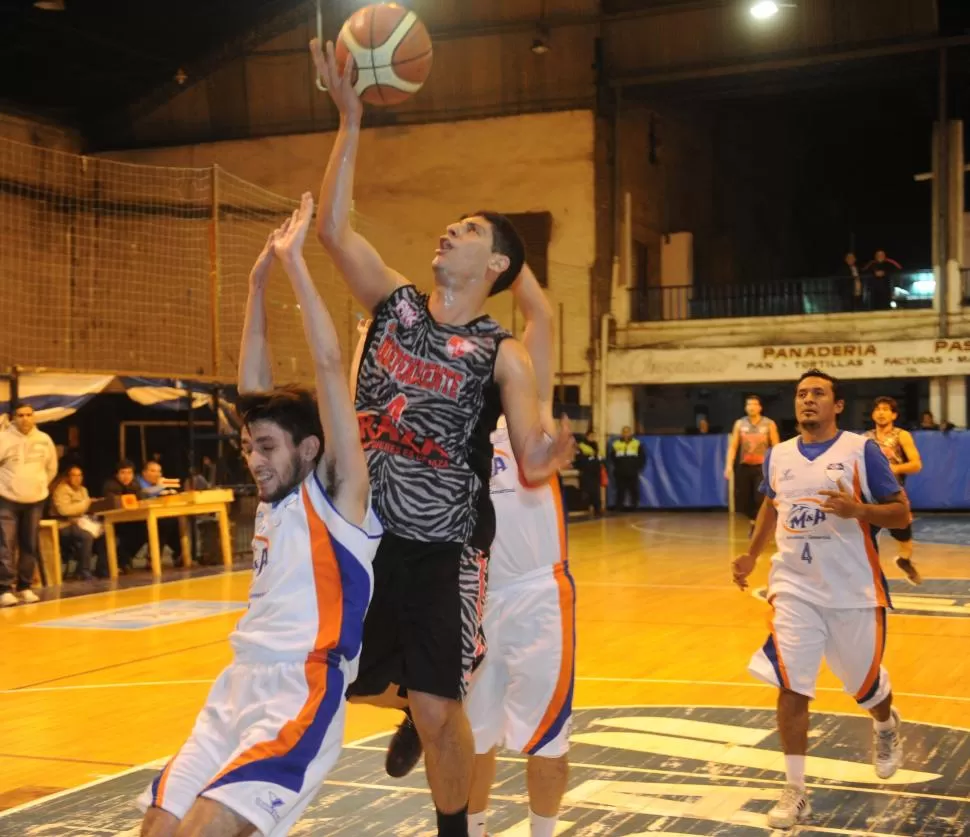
685,472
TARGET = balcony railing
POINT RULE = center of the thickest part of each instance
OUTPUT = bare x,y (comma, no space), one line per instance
824,295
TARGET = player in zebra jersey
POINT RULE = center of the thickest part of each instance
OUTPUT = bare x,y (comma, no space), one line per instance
434,375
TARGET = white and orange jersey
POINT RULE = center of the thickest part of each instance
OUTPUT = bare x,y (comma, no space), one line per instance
824,559
530,531
312,581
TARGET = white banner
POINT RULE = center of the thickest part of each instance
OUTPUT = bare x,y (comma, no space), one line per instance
903,359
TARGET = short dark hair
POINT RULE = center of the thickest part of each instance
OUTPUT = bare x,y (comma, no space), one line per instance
292,408
507,241
818,373
757,398
888,401
123,464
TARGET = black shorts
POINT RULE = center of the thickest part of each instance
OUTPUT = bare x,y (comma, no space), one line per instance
423,630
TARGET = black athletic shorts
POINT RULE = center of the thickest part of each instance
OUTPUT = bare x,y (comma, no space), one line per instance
423,630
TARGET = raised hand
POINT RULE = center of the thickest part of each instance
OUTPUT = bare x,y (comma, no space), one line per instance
259,275
338,81
289,238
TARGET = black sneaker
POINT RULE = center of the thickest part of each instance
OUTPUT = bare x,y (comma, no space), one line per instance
909,570
404,751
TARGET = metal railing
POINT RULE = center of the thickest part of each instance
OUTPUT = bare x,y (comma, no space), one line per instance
822,295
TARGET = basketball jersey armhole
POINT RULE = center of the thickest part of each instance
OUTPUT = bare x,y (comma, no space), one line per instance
371,528
399,291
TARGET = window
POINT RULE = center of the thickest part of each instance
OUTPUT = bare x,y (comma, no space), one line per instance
536,230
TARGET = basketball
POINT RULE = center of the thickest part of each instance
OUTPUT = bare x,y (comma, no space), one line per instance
391,49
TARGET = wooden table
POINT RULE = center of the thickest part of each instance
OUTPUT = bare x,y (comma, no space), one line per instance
186,504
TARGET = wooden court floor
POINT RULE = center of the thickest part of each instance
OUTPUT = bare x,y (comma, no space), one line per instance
658,625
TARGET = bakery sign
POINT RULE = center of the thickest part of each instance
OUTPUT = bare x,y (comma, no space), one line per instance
902,359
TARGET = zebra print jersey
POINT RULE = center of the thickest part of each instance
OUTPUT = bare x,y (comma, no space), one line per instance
427,403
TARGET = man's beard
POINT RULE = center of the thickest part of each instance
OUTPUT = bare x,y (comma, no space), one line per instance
810,424
288,481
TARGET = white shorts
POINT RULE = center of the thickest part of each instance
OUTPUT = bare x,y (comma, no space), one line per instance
852,641
521,696
262,744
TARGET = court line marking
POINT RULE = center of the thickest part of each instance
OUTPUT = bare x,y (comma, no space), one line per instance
647,681
154,764
151,585
63,759
116,665
361,742
717,781
589,806
656,681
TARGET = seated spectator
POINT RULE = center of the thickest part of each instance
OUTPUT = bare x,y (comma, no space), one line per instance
80,533
129,536
153,484
927,422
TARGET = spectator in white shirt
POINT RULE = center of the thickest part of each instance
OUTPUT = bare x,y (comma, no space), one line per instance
28,464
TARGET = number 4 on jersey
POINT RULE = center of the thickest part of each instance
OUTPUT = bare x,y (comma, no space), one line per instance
395,409
807,554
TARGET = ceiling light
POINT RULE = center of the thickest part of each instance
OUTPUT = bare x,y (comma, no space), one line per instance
50,5
764,9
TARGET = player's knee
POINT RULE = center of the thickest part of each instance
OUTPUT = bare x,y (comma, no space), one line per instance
549,769
159,823
433,715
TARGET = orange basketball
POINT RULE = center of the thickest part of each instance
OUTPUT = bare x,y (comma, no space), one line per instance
391,49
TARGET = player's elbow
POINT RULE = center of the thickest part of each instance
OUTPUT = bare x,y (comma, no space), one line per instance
900,516
332,232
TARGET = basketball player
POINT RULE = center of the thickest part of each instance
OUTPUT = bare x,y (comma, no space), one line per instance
754,435
272,725
434,376
826,488
904,459
521,695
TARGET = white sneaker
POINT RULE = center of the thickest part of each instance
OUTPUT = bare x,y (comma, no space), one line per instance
888,747
29,596
8,599
792,808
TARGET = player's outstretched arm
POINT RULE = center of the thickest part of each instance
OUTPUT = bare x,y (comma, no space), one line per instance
370,280
538,339
538,455
363,326
342,468
255,365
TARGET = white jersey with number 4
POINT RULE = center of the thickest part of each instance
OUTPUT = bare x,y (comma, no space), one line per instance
824,559
530,535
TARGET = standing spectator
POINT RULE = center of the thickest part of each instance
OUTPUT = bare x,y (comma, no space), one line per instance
77,532
589,465
629,459
28,464
881,273
852,291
